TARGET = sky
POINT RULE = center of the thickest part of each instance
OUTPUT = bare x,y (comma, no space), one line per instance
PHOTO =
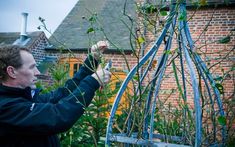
53,11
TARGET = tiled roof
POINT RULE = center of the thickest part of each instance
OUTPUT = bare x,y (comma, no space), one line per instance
73,30
8,38
11,37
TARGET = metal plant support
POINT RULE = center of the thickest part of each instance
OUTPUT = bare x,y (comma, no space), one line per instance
187,55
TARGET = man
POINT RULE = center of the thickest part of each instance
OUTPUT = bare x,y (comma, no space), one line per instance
33,121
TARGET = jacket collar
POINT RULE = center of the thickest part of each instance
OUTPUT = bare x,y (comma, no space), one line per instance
15,92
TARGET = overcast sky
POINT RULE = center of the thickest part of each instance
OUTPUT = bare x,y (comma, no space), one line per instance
53,11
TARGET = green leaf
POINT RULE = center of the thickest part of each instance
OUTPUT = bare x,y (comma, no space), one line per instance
163,13
220,87
218,78
195,3
93,18
168,52
226,2
203,2
233,68
182,16
225,40
149,8
222,120
90,30
136,78
140,40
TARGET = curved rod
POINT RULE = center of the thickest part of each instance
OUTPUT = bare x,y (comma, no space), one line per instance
130,76
182,69
216,91
171,15
209,94
148,101
209,76
196,93
158,70
162,71
193,78
184,93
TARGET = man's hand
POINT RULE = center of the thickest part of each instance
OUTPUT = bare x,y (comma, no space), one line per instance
102,76
98,49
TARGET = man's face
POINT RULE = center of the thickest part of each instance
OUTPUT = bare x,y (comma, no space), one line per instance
26,74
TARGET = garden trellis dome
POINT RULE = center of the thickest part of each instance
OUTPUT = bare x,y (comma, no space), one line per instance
187,54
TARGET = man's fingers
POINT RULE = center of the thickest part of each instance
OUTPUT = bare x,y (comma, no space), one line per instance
107,76
102,76
102,45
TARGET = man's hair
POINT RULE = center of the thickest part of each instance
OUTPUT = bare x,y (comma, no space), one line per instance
10,56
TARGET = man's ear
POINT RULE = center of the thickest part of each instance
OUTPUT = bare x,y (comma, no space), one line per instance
11,72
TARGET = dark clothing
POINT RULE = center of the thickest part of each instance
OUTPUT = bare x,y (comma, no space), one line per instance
34,122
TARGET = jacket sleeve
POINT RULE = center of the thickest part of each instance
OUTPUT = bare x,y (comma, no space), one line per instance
90,64
24,117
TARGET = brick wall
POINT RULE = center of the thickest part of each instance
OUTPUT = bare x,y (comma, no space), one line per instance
118,60
38,48
221,24
218,23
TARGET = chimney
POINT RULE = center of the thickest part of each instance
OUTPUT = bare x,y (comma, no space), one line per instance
23,34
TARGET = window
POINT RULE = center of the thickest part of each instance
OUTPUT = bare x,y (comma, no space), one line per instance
72,64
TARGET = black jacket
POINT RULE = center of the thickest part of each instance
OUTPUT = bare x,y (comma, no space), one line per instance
34,122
